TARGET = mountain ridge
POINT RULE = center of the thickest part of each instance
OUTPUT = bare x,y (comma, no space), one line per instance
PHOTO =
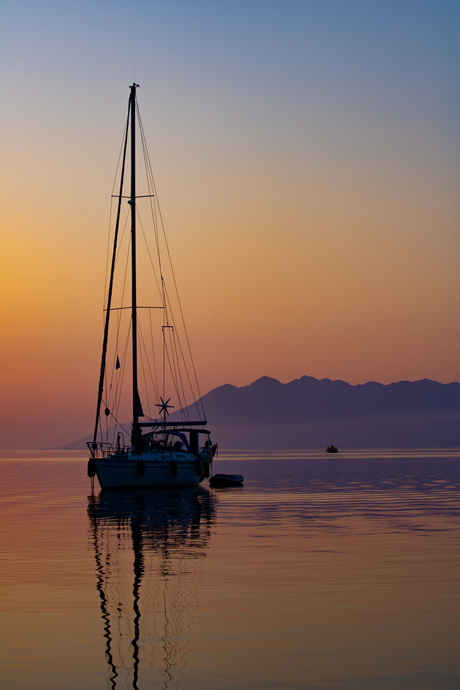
311,413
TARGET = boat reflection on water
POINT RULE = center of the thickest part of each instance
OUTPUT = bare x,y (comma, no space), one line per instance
149,546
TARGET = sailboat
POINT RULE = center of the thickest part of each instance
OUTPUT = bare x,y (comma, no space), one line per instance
154,451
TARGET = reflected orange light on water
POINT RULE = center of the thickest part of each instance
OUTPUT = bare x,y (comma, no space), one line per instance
321,571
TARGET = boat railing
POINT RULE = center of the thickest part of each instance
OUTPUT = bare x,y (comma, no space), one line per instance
99,449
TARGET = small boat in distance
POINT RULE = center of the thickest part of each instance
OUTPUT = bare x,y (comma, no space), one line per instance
159,452
221,480
332,449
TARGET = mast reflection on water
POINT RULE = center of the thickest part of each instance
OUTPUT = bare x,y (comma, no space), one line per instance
148,548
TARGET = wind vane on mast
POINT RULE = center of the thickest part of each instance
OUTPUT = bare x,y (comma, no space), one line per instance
164,406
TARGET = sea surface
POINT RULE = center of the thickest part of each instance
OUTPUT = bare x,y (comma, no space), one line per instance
338,571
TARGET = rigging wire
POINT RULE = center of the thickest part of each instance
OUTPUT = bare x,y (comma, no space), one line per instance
117,423
115,180
113,404
144,352
155,378
119,313
176,358
152,188
152,265
109,295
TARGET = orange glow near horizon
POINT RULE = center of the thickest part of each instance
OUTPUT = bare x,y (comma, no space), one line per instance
310,201
327,304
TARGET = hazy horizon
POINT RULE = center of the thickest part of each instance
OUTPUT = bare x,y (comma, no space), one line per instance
306,156
305,415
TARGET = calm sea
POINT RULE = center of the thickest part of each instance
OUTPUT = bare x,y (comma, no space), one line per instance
321,572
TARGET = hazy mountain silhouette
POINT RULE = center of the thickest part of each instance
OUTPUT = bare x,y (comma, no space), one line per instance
311,413
306,398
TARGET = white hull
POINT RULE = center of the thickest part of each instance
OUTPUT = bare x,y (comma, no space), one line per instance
154,470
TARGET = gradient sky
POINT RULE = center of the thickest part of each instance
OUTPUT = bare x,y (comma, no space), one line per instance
307,158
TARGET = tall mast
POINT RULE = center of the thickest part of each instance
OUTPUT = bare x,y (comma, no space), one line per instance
110,291
136,402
